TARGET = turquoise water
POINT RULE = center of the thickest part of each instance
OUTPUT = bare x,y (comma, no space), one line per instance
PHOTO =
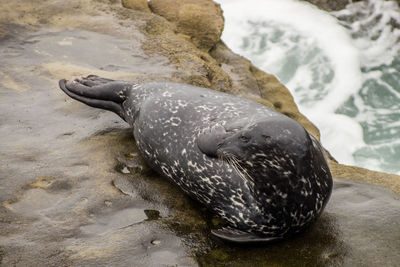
343,69
375,29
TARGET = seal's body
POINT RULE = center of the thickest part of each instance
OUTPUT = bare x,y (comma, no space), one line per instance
254,167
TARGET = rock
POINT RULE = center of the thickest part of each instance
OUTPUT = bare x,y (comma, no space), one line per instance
238,68
201,20
139,5
73,189
387,180
193,66
360,226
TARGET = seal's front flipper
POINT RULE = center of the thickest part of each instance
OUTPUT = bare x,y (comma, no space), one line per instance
106,94
240,237
210,139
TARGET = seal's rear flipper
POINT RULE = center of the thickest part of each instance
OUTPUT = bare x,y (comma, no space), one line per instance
240,237
93,80
98,92
95,87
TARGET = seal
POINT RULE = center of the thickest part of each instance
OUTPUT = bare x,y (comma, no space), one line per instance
256,168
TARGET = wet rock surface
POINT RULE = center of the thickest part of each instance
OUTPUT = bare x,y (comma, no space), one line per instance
74,190
349,233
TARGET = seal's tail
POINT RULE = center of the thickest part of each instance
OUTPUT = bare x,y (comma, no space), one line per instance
98,92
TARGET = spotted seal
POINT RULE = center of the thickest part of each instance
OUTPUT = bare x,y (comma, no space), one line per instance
258,169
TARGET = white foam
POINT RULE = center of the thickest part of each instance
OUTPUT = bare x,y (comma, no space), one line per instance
323,28
385,38
339,134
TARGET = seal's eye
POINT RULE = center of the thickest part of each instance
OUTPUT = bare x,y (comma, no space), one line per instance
244,138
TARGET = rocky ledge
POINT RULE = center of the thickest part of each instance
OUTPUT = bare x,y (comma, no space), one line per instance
74,189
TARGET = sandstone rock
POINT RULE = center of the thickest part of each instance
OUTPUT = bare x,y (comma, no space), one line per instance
200,19
193,66
387,180
139,5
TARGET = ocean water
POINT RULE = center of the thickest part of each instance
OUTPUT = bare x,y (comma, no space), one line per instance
343,69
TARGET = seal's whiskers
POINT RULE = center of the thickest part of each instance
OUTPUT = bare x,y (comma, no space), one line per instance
233,161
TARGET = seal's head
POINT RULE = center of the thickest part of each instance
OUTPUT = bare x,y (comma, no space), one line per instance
268,144
284,166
